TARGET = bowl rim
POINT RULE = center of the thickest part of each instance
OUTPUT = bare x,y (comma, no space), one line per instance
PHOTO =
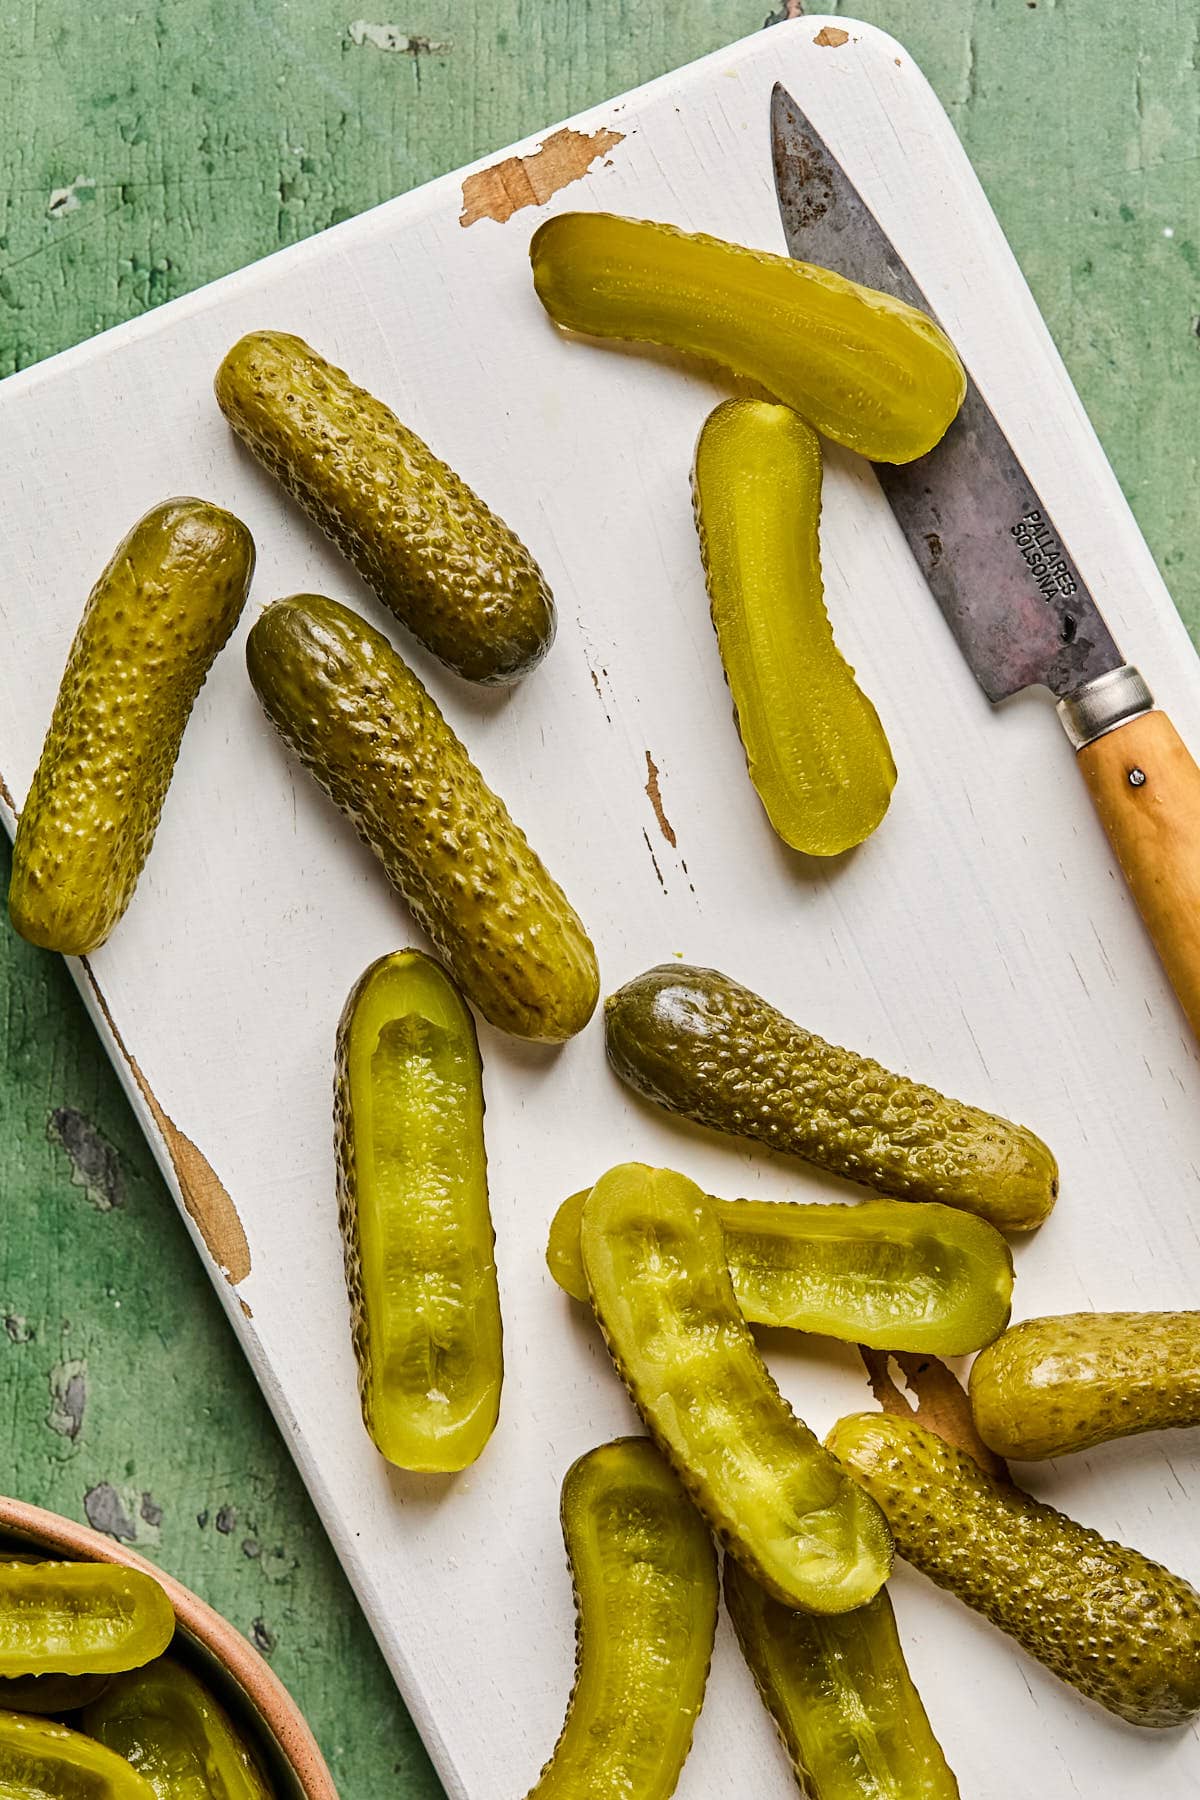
279,1713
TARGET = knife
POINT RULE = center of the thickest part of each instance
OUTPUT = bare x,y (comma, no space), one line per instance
1008,586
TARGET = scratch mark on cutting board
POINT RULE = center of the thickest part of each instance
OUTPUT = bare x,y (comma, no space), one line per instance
208,1201
650,847
831,37
519,181
654,795
938,1400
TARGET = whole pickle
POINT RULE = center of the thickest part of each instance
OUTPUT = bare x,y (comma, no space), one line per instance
704,1046
1121,1629
370,736
861,366
168,599
1053,1385
462,582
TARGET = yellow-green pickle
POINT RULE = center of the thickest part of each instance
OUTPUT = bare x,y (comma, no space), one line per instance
441,560
1050,1386
703,1045
370,736
654,1256
891,1274
173,1731
413,1205
816,751
79,1618
841,1696
645,1577
155,620
40,1760
860,366
1121,1629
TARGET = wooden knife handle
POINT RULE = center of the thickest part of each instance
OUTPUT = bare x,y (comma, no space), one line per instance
1146,788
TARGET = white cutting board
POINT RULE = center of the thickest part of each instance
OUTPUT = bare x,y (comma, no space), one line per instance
980,940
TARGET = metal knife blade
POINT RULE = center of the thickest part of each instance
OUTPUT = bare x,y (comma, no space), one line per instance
997,566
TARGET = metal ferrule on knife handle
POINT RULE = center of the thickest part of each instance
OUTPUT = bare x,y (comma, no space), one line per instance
1008,586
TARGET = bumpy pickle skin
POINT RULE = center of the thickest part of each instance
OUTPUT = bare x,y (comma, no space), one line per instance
885,1273
178,1737
704,1046
50,1762
816,752
77,1618
1051,1386
461,581
413,1207
153,624
645,1577
368,733
654,1256
1119,1628
841,1696
862,367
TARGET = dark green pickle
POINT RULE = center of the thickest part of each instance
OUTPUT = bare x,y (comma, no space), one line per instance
645,1576
702,1045
441,560
371,736
841,1696
1121,1629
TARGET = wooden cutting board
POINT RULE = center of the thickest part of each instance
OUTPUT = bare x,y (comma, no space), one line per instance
980,940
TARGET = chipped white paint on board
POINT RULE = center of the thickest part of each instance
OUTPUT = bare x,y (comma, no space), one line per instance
394,38
981,939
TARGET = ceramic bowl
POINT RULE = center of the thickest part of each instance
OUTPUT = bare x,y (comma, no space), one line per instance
249,1690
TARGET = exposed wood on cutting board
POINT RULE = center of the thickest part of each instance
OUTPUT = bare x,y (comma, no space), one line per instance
499,192
209,1204
938,1402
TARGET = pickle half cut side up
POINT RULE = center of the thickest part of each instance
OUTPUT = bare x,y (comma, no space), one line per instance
1115,1625
1050,1386
80,1618
413,1206
862,367
815,749
161,610
654,1255
700,1044
890,1274
50,1762
174,1732
645,1577
373,739
841,1696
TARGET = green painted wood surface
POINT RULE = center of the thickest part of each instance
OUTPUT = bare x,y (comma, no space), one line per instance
150,147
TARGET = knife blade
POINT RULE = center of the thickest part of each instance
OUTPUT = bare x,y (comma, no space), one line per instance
987,546
1007,584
